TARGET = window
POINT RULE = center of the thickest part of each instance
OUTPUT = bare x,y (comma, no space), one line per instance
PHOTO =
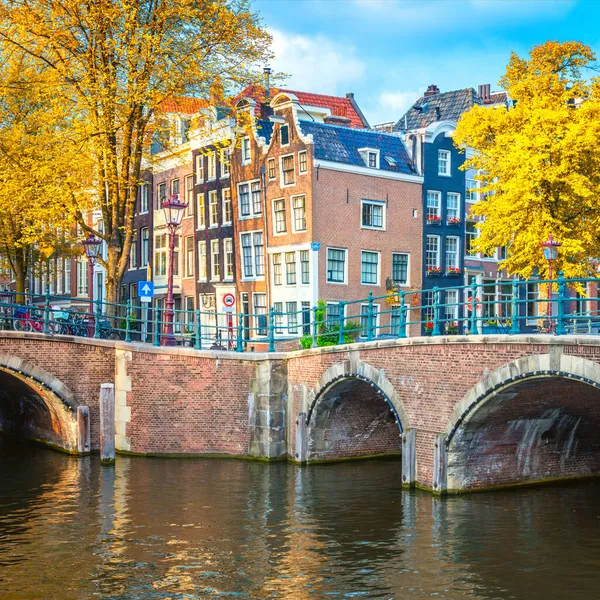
160,254
211,166
246,152
201,212
189,256
504,298
260,313
452,253
133,251
252,254
369,269
225,162
451,308
364,318
336,265
244,196
433,206
305,318
145,246
432,252
213,210
272,169
285,135
144,189
428,304
202,261
290,268
471,236
292,310
304,267
227,208
67,276
452,207
279,218
228,248
489,297
287,170
400,268
215,260
372,214
278,309
189,196
60,277
249,196
161,195
370,157
256,203
277,269
299,204
333,313
175,187
372,160
199,168
302,162
444,162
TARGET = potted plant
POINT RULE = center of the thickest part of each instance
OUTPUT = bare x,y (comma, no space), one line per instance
453,221
495,325
452,328
434,219
434,271
453,272
428,328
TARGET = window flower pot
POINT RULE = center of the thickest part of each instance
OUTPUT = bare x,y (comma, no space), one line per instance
434,220
453,222
433,271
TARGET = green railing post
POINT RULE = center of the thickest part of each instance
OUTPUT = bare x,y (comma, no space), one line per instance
128,321
198,331
370,318
156,332
239,347
313,343
97,319
436,308
560,317
271,330
514,308
341,340
47,313
402,326
473,330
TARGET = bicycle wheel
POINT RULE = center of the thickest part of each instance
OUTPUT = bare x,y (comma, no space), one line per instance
22,325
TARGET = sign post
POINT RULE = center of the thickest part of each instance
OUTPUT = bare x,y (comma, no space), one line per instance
229,307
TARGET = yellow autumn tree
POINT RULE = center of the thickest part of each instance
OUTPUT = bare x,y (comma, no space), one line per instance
44,175
539,161
119,61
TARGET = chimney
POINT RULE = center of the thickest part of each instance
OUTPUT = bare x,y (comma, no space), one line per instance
432,90
267,72
484,93
337,120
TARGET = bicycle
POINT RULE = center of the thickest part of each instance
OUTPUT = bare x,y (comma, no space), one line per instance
25,320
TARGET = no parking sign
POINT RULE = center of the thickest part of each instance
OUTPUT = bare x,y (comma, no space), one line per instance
228,302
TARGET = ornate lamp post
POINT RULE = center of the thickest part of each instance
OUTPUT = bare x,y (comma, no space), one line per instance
550,247
92,246
173,212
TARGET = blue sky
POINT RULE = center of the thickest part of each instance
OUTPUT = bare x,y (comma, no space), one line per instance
388,51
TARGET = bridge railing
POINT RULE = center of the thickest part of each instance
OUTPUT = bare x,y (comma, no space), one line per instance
543,306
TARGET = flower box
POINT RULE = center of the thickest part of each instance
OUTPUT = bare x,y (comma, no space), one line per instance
454,222
453,272
434,271
434,220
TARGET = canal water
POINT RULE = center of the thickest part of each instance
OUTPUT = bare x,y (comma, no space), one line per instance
181,529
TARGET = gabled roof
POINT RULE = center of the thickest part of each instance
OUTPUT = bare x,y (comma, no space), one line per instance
264,128
184,105
342,144
448,106
338,105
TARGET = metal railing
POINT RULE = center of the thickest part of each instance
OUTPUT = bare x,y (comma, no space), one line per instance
459,310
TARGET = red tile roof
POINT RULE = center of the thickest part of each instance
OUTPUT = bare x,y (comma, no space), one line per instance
183,104
339,106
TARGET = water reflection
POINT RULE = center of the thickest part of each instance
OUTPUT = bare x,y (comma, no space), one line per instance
182,529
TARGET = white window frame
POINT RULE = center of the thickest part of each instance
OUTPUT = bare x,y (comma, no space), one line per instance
225,162
252,214
468,236
295,263
226,194
455,195
293,214
366,152
199,168
214,275
213,220
378,282
448,171
189,196
438,212
227,253
144,259
282,180
275,232
254,276
345,251
438,251
202,266
246,145
211,166
377,311
201,211
188,272
456,239
144,198
380,203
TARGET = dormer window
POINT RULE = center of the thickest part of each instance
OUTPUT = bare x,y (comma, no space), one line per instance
391,162
246,156
370,156
285,135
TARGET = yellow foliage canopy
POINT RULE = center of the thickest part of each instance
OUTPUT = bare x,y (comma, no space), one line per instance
539,161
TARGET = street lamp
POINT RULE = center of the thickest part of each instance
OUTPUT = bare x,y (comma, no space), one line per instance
92,246
550,247
173,212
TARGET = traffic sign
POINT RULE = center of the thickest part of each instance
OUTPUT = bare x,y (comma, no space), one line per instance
228,302
146,290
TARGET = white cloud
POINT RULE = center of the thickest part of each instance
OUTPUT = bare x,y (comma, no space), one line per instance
316,63
390,105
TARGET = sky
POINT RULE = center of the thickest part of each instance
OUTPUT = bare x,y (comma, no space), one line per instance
388,51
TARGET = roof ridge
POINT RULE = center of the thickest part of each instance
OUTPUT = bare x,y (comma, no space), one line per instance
346,128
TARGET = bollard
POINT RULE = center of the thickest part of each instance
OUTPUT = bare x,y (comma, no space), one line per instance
107,423
83,430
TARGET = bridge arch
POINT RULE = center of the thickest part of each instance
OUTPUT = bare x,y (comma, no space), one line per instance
354,412
35,404
535,418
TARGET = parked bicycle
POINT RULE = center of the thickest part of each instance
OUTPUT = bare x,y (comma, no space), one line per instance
26,318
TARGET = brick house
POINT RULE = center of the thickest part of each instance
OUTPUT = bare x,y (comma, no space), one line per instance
324,211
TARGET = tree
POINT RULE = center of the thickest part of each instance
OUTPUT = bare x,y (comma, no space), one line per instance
119,62
42,175
539,161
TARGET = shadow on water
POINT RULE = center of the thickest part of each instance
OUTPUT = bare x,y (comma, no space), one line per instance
182,529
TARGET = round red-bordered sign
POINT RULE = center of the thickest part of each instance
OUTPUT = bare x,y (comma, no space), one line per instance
229,300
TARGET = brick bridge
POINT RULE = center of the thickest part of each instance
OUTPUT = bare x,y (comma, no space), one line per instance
464,412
